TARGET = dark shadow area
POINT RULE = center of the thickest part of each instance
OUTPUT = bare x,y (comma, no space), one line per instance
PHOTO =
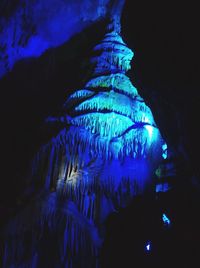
166,69
133,228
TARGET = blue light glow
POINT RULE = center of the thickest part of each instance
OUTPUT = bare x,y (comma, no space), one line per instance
150,131
166,220
148,246
164,148
162,187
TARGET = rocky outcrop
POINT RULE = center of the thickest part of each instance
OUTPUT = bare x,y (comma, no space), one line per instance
29,28
104,155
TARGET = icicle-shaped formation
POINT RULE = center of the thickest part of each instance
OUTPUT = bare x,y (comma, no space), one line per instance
101,158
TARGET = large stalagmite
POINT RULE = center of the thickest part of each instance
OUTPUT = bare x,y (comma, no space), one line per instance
104,156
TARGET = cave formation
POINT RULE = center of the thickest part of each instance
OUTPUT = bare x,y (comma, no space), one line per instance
77,177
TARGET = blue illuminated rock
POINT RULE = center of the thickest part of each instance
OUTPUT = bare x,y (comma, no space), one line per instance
28,28
103,157
114,117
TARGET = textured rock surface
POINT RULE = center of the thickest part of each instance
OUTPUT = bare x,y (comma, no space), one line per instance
166,70
29,28
104,155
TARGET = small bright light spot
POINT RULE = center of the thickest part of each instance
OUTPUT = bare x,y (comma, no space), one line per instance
166,220
148,246
164,146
